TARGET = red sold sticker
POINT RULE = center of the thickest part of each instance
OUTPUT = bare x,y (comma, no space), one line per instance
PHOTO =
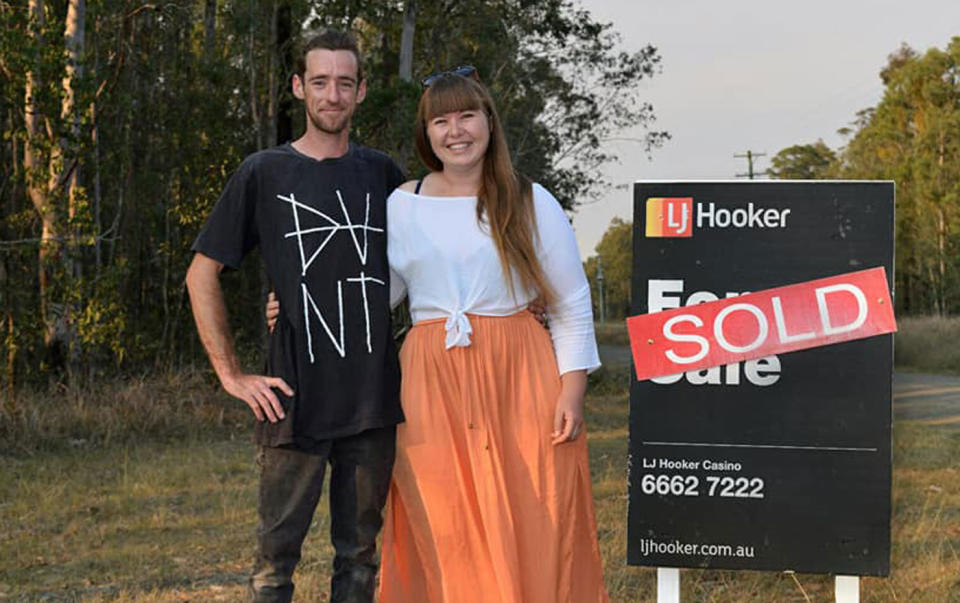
785,319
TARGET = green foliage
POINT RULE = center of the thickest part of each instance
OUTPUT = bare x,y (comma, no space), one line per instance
101,321
615,253
913,137
803,162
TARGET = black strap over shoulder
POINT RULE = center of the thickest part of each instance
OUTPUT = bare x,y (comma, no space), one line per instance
417,190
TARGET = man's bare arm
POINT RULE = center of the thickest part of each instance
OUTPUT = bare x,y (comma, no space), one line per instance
210,314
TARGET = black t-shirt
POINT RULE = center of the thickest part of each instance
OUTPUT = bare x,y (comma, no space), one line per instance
321,229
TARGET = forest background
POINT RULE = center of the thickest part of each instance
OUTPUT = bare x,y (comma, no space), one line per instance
122,121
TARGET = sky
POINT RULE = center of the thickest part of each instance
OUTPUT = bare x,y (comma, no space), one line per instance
755,75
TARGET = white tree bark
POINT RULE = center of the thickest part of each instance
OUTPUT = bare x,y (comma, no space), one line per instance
36,188
74,32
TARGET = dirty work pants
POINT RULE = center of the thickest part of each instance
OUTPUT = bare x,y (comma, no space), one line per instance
290,485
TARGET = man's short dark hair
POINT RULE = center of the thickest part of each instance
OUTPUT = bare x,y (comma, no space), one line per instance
330,39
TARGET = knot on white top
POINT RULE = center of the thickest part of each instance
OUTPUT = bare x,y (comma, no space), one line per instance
458,330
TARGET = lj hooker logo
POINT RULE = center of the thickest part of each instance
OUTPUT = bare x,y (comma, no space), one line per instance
669,216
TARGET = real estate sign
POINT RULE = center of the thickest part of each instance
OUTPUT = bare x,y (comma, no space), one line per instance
780,461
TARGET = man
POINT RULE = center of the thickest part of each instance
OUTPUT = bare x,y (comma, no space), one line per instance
316,209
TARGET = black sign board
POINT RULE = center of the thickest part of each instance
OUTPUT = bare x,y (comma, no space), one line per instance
780,463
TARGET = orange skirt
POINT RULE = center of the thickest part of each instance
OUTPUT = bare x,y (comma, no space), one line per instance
482,507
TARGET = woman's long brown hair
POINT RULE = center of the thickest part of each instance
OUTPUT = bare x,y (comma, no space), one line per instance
505,198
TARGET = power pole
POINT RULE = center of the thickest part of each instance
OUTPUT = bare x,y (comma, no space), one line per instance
749,155
600,289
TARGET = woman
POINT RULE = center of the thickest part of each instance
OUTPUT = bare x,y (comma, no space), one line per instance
491,498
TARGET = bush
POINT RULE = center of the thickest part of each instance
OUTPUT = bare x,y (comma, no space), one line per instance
929,344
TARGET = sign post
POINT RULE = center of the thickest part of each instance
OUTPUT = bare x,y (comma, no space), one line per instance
779,462
846,589
668,585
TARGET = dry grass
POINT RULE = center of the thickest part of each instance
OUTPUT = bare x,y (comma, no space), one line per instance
169,407
158,505
928,344
612,332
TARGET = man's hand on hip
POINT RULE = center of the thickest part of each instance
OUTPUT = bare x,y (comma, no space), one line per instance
256,391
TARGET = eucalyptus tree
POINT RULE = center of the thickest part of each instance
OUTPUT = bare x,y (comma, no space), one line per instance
913,137
614,258
814,161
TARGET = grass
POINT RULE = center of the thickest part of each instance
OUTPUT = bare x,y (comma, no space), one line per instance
612,332
169,408
144,491
928,344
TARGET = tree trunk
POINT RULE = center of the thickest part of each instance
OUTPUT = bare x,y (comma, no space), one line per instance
37,190
286,59
14,148
63,165
74,40
95,142
273,82
11,365
272,56
74,34
942,264
255,111
173,192
97,192
942,230
406,41
209,29
404,148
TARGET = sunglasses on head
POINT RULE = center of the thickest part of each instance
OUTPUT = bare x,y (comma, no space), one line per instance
464,70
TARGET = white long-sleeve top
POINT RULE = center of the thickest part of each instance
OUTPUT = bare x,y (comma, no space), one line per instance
448,265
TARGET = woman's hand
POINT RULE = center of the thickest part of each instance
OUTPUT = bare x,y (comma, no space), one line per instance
272,311
568,418
539,311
